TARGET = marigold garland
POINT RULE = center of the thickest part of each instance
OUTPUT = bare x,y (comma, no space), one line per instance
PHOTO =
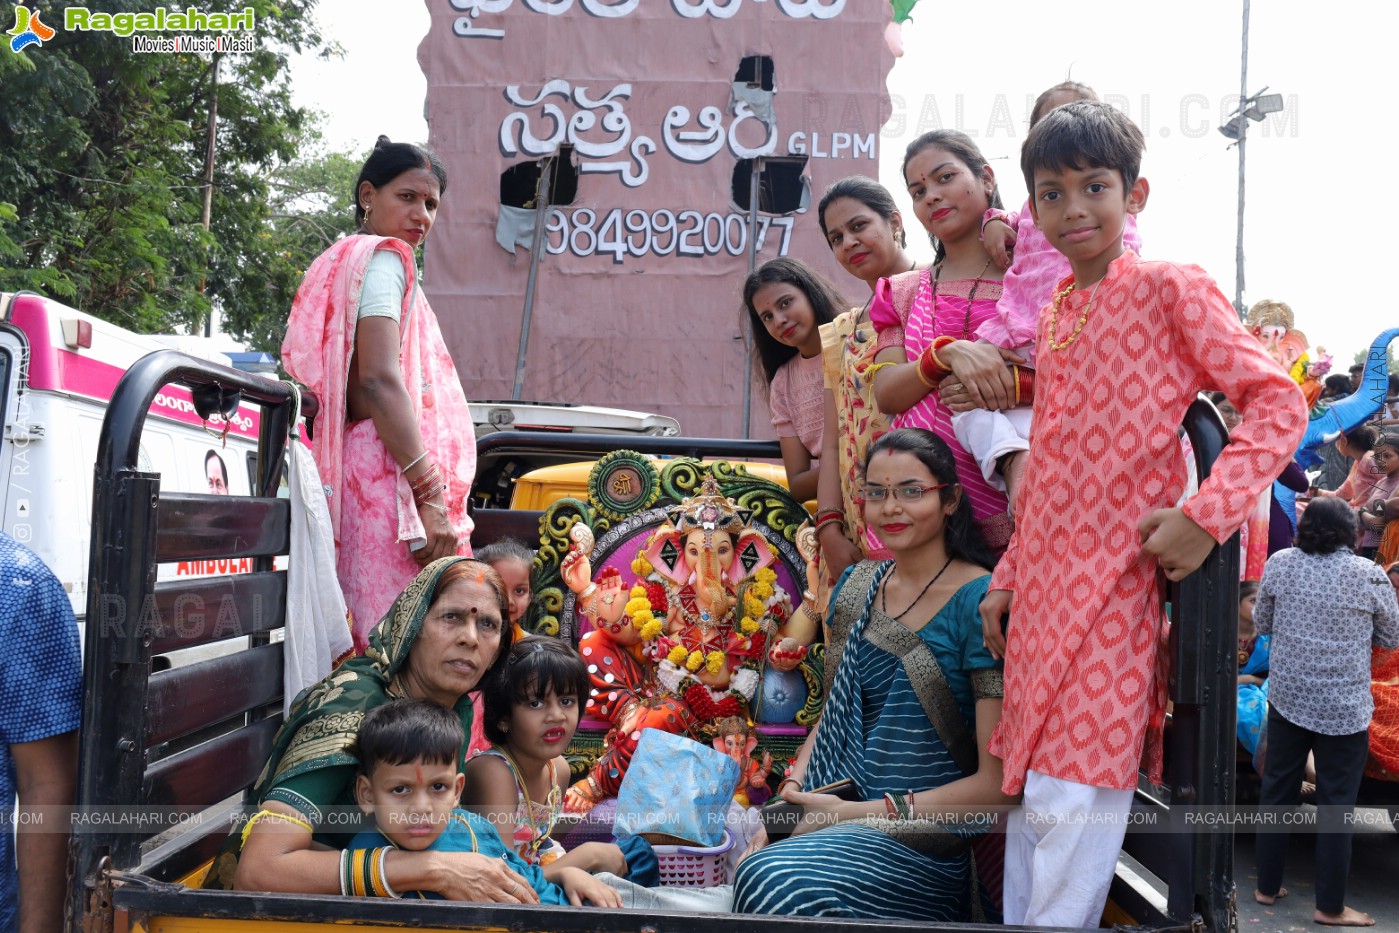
694,662
677,655
748,626
714,662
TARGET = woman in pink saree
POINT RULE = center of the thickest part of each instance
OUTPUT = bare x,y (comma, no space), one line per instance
393,441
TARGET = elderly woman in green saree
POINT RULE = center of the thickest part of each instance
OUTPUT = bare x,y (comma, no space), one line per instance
914,697
442,635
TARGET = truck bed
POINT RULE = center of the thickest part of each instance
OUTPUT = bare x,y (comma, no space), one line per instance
181,741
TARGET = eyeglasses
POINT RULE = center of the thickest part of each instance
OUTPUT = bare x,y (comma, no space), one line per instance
902,493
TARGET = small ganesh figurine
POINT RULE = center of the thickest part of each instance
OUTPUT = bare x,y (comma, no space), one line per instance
737,738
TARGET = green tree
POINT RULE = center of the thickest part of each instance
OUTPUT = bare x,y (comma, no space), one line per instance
309,206
1391,364
102,155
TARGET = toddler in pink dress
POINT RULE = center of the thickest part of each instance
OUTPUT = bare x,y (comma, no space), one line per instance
1029,284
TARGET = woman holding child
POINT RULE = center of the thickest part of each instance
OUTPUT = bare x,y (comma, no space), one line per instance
938,311
915,698
441,636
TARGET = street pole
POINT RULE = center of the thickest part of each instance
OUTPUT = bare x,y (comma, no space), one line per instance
541,217
1243,142
207,215
754,193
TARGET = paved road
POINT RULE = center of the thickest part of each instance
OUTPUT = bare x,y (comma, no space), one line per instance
1373,886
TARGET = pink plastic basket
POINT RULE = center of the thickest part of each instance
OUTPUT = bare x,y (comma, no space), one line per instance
695,866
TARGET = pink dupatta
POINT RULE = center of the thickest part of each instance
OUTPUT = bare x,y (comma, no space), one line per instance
371,505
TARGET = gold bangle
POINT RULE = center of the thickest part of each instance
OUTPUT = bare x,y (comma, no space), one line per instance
265,814
357,860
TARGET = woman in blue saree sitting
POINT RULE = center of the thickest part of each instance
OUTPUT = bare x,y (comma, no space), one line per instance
913,701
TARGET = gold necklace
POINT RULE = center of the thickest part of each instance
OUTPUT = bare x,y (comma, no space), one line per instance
1059,297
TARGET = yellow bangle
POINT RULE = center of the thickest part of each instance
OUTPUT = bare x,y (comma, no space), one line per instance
283,817
358,859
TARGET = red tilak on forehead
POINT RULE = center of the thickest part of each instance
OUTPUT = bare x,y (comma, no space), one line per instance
418,773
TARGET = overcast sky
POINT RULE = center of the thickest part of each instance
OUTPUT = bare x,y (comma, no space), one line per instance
1313,228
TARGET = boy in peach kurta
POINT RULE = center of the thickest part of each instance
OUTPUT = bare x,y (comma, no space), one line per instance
1124,349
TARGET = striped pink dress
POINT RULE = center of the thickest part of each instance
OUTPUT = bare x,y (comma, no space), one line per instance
962,305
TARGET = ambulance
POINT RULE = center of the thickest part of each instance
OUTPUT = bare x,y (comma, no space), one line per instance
58,367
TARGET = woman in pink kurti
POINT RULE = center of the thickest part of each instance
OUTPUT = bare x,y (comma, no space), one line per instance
393,439
952,187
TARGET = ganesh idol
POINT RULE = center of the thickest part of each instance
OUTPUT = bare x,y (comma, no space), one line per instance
683,648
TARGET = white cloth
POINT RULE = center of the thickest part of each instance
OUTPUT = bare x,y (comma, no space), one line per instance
384,283
990,435
514,226
1061,851
317,632
716,900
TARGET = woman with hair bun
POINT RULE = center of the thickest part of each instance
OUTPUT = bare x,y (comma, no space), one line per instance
394,445
1324,607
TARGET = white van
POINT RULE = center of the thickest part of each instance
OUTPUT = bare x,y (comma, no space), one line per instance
58,367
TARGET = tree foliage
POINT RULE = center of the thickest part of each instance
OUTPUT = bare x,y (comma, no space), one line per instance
102,156
309,206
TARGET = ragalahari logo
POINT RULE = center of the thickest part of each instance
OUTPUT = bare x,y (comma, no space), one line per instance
29,30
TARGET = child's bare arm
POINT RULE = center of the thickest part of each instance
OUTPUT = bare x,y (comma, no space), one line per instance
999,238
592,857
582,888
491,792
1177,543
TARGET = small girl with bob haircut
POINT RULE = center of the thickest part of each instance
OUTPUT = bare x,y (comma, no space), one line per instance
790,309
531,712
